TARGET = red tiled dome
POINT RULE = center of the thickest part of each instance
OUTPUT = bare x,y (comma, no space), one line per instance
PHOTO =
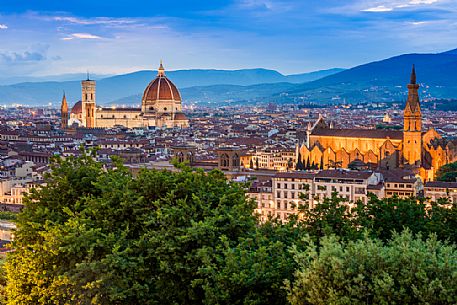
161,88
180,116
77,108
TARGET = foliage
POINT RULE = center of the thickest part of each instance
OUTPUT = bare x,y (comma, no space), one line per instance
331,216
6,215
101,236
96,236
254,271
406,270
447,172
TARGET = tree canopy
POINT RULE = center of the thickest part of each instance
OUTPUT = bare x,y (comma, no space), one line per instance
96,235
447,172
406,270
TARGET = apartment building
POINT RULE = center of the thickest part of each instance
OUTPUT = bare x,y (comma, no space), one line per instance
435,190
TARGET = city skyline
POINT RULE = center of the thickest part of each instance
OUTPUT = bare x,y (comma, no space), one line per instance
56,38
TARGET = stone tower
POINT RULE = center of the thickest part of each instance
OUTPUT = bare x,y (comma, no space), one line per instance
412,129
88,102
64,113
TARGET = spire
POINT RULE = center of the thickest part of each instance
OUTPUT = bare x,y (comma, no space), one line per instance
88,78
161,69
413,76
64,105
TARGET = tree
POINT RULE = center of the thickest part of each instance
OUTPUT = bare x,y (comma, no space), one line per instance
254,271
331,216
381,217
96,236
406,270
299,165
447,172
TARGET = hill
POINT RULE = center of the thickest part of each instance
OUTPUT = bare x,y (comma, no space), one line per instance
120,86
385,80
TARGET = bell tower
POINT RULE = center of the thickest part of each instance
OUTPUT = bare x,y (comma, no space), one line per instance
412,128
88,102
64,113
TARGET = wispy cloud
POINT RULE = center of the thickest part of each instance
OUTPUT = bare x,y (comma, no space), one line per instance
94,21
27,56
388,6
81,36
3,26
380,8
272,6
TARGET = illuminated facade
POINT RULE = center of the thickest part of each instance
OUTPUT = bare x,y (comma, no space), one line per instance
423,151
160,107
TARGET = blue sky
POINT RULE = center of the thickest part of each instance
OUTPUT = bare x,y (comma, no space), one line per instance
43,37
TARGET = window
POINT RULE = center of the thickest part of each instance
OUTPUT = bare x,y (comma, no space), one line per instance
278,185
278,205
293,186
165,109
347,189
285,185
278,194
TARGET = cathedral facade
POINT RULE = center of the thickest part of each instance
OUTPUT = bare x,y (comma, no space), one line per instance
161,107
321,146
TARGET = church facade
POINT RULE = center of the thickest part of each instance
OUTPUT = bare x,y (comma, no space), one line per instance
321,146
161,107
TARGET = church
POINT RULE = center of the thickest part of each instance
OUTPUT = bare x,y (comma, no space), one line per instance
161,107
424,152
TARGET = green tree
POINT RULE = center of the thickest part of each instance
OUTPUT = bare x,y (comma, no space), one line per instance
406,270
96,236
331,216
381,217
447,172
254,270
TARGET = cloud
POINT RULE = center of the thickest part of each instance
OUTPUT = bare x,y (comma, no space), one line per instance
81,36
272,6
3,26
94,21
14,57
380,8
388,6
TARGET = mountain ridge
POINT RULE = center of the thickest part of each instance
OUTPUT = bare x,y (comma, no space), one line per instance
116,87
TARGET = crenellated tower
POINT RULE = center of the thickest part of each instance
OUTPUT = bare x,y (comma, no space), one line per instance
412,129
88,102
64,113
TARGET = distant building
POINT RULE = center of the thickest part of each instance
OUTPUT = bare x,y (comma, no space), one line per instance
160,107
412,148
435,190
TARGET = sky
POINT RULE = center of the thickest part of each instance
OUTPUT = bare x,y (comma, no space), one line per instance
51,37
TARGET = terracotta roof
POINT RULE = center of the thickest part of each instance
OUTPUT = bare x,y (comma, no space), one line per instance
359,133
441,184
296,175
161,88
336,173
180,116
77,108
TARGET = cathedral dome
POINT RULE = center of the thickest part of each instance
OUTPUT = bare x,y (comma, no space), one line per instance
161,89
77,108
180,116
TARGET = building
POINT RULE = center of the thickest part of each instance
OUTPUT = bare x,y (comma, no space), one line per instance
435,190
412,148
64,113
287,192
161,107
